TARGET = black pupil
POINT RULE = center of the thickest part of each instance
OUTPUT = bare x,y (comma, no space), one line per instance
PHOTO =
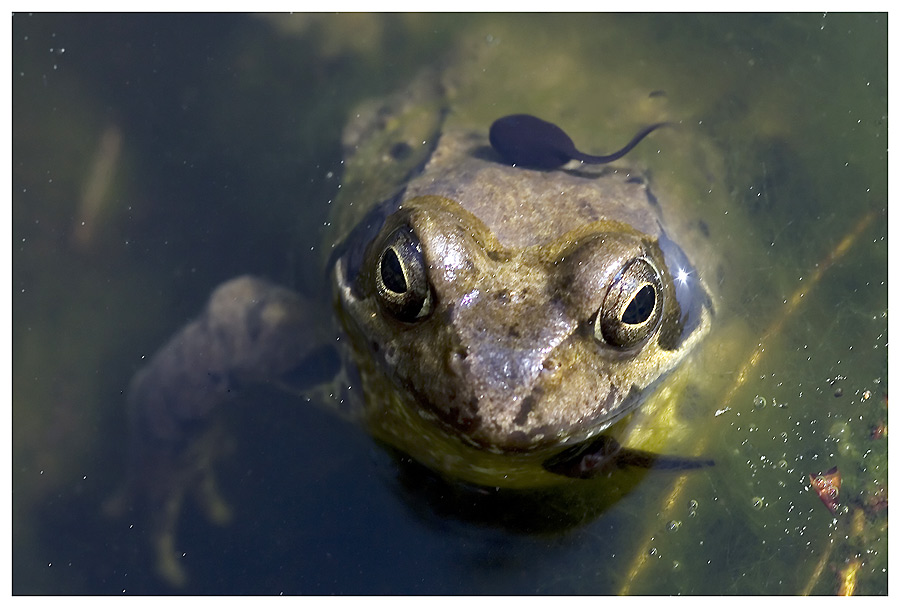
641,306
392,272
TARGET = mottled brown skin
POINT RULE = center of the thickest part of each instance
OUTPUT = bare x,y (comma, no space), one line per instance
518,263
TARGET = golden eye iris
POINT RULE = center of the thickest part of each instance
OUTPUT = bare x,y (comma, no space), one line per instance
401,281
632,308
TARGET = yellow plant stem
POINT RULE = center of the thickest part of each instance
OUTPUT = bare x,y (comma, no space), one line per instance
752,361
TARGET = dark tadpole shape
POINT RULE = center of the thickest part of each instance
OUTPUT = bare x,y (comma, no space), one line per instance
604,455
528,141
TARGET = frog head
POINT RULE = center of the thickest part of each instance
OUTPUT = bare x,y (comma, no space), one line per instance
516,309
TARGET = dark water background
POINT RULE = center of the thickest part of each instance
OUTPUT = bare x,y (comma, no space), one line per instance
156,156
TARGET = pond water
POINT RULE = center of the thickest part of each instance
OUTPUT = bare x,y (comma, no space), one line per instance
156,156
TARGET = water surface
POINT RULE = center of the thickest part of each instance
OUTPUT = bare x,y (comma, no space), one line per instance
156,156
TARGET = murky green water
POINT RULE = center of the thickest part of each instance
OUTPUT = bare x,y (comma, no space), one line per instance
155,157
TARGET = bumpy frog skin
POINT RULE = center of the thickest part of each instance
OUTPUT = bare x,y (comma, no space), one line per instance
499,319
497,299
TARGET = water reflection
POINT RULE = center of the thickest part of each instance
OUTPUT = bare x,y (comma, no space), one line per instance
156,156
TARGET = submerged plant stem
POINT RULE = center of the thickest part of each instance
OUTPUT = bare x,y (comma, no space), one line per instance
752,361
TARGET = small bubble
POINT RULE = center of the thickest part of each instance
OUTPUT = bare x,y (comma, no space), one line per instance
838,392
652,551
758,503
676,565
673,525
759,402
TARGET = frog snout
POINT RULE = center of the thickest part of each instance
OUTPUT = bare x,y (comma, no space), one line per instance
504,359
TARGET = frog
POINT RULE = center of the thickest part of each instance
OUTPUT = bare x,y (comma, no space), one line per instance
502,320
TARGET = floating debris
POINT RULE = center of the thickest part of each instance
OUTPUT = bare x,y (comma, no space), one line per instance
692,508
827,485
876,502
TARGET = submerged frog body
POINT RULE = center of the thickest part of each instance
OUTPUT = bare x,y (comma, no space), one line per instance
500,319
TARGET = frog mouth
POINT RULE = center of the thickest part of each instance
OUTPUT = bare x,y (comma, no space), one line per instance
466,419
506,398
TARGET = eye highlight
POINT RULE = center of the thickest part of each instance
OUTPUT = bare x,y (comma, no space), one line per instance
632,308
401,281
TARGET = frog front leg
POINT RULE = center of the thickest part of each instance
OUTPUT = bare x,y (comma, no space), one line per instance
250,331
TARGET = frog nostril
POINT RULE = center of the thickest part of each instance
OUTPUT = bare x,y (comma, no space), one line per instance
457,364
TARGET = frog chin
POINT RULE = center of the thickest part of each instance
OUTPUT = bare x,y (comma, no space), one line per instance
483,431
533,414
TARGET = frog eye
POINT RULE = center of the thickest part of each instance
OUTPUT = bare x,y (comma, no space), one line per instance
400,278
632,308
